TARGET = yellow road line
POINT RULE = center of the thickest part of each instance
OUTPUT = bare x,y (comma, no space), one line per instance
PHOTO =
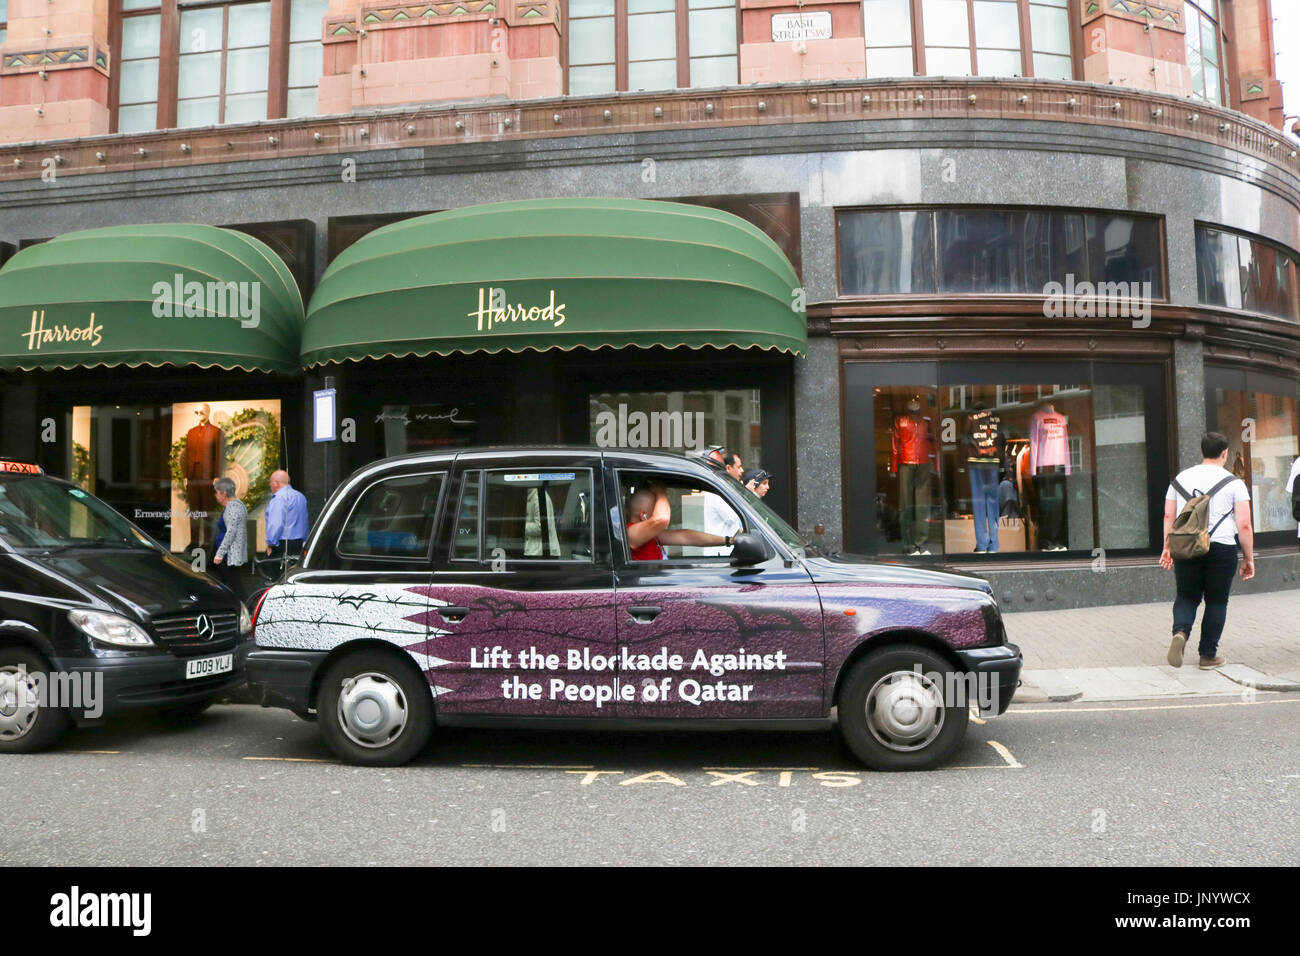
1012,762
528,766
292,759
92,751
1105,710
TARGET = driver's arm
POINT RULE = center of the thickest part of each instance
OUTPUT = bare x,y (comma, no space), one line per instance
699,539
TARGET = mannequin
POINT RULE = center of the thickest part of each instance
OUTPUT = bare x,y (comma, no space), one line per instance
911,456
202,464
1049,463
985,444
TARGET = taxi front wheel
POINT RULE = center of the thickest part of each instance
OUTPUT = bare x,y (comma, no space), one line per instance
374,709
900,708
26,724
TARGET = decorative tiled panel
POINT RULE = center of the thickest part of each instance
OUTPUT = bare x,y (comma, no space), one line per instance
380,16
1254,88
524,12
1161,13
59,58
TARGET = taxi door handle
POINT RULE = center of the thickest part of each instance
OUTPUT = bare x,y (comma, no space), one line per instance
453,615
643,614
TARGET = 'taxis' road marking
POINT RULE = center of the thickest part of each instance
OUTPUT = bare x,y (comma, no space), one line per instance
1107,710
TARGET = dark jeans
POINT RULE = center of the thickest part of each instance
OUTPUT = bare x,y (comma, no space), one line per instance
1050,485
1208,577
914,505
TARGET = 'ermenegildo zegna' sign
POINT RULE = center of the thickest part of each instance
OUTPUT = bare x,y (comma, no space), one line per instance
494,310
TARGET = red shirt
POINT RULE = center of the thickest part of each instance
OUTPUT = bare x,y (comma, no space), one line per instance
650,551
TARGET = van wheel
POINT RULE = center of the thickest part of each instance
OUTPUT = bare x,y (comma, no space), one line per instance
374,710
894,718
25,726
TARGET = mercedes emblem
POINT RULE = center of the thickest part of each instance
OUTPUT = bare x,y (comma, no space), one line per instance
206,629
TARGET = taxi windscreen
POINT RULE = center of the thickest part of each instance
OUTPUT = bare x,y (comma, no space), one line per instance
37,513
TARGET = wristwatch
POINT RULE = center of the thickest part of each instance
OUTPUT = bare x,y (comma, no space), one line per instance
727,541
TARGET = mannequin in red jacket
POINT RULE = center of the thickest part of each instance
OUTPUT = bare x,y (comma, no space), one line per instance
911,459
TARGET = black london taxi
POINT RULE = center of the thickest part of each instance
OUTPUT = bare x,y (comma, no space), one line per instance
97,618
600,588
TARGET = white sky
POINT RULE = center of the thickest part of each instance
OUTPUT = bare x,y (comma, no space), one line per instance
1286,39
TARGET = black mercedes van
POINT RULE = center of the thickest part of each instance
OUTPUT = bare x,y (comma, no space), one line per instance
96,617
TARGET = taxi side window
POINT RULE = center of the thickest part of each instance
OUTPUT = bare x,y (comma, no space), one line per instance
695,506
393,518
464,546
538,515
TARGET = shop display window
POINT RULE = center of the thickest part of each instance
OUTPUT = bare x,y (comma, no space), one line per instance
1259,419
156,463
979,467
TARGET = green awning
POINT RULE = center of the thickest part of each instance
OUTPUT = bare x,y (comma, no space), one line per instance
161,294
556,274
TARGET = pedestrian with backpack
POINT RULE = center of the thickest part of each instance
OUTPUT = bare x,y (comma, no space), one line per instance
1207,513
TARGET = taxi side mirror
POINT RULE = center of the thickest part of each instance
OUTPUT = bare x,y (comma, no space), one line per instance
749,549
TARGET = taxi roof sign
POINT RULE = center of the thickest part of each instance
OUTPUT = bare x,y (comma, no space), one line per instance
13,467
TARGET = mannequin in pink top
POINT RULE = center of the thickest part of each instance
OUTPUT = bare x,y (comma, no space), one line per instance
1049,463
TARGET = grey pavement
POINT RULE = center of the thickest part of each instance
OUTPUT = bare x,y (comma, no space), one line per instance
1045,784
1118,652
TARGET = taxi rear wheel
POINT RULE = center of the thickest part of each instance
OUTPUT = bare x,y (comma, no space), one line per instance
894,712
25,725
374,709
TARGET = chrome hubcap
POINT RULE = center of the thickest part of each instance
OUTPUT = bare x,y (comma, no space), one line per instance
905,710
372,709
19,703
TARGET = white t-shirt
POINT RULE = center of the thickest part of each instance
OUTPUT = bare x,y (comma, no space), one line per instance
1198,480
719,518
1290,486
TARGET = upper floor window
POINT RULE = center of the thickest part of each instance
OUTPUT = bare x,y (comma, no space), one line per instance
968,38
1204,50
651,44
206,64
981,250
4,20
1241,272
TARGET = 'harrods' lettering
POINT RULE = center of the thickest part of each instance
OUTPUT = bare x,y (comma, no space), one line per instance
489,315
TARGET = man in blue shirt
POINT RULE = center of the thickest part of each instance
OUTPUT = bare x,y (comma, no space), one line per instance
286,516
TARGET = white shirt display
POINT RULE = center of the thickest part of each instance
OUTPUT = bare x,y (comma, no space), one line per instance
1198,480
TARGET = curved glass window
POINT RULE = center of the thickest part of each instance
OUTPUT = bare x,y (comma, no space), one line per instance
1007,251
1235,271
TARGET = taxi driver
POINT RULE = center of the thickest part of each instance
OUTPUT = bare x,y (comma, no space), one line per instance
648,515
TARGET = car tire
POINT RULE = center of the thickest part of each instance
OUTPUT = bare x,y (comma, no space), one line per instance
893,718
26,729
374,709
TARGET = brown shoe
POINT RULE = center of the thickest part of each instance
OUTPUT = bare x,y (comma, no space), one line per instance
1210,663
1176,646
